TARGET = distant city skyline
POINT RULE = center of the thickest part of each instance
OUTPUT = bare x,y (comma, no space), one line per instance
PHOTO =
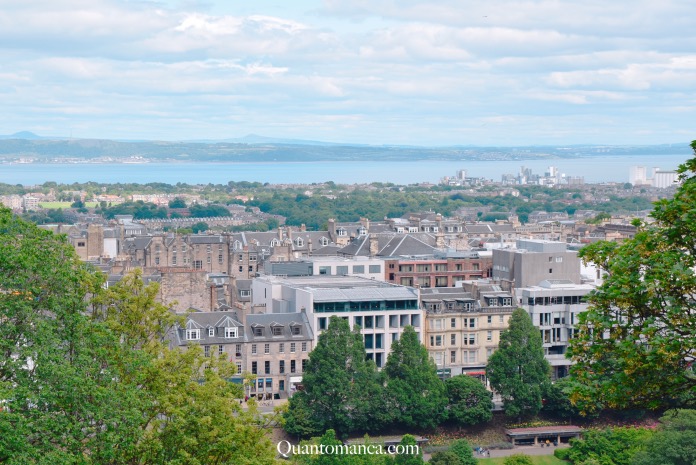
499,73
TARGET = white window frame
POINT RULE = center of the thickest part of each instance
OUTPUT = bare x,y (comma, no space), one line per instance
231,332
193,334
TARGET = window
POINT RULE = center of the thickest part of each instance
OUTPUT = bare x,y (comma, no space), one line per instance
238,350
436,341
559,259
239,367
258,331
322,323
221,350
292,347
453,322
156,260
369,322
341,270
501,319
293,366
299,242
469,339
220,259
469,322
325,270
241,269
358,269
266,348
550,270
252,258
281,348
255,368
193,334
230,332
324,241
174,260
437,324
453,339
253,349
244,293
211,332
296,331
375,269
281,367
304,347
206,351
489,336
369,341
208,260
267,367
453,356
469,356
198,264
277,330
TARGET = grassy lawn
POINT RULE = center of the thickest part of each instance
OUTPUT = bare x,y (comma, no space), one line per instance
536,460
55,205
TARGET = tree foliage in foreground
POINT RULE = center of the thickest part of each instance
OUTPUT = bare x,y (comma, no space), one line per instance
635,344
674,443
416,396
341,388
611,446
96,384
470,402
518,370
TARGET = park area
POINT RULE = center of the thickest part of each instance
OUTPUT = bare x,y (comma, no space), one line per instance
536,460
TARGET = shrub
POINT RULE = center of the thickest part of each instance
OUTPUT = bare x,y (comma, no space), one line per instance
562,454
518,459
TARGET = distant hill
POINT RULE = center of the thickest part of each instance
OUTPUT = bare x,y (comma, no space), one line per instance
253,148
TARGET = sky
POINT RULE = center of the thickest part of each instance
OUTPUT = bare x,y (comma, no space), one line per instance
393,72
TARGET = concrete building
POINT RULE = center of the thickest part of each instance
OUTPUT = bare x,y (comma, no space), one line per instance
664,179
365,267
554,306
534,261
380,309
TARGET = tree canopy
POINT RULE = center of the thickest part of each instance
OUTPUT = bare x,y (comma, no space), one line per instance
470,402
635,344
416,396
341,388
518,370
87,377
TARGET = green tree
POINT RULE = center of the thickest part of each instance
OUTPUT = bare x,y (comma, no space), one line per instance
611,446
199,227
518,370
341,388
444,458
177,203
469,402
463,450
634,345
674,443
416,396
557,399
191,412
518,459
406,458
57,383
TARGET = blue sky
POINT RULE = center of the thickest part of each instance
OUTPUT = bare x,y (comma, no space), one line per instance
410,72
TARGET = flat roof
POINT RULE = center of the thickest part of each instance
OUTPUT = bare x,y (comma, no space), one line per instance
543,430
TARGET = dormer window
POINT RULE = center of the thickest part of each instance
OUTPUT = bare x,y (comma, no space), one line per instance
507,301
342,232
296,330
362,231
275,242
277,330
299,242
231,332
258,331
211,332
237,245
193,334
324,241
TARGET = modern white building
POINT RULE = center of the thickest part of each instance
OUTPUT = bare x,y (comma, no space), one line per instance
380,309
365,267
664,179
554,306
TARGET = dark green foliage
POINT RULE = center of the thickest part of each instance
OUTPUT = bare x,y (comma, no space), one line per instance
177,203
140,210
562,453
612,446
405,458
518,459
208,211
199,227
463,451
518,370
634,345
469,401
416,397
444,458
557,399
674,443
341,389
